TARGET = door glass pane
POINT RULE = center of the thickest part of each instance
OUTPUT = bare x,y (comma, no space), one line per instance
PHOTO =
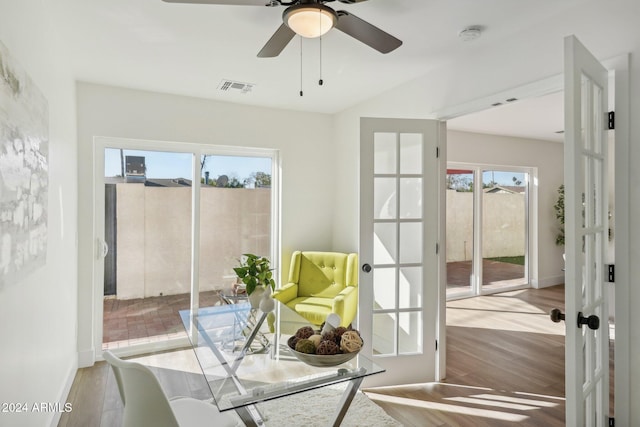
410,153
410,242
384,333
149,230
596,119
410,197
235,217
384,243
385,152
384,198
384,288
504,225
459,225
410,288
410,333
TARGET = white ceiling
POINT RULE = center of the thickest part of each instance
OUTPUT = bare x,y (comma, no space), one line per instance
537,118
189,49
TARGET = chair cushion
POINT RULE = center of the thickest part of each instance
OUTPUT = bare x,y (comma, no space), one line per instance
322,274
314,309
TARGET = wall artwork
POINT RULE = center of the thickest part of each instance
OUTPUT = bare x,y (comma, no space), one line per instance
24,181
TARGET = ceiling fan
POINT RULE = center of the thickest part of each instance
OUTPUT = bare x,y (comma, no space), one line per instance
312,18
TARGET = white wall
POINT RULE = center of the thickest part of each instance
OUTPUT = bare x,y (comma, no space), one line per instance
607,30
38,314
306,152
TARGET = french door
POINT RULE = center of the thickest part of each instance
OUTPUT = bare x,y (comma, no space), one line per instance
586,231
399,236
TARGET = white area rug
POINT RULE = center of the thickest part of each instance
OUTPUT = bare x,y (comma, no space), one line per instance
316,408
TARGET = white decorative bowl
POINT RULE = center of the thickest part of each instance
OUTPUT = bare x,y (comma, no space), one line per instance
322,360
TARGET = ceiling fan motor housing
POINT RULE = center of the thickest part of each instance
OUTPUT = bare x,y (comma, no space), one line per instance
310,19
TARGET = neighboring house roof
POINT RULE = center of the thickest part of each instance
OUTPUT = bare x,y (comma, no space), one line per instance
173,182
511,189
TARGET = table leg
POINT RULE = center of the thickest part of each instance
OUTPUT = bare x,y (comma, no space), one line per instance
250,416
346,399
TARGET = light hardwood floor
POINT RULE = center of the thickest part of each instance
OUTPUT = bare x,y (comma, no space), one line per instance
505,366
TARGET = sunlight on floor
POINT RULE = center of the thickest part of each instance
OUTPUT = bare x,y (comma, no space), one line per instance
475,402
452,408
497,312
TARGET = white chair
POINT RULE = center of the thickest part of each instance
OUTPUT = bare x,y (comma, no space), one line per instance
147,405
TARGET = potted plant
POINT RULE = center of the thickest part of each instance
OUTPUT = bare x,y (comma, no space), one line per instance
559,208
255,272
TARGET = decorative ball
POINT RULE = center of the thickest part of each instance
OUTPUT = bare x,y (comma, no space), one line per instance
327,348
305,346
305,332
340,330
293,341
351,342
329,336
315,339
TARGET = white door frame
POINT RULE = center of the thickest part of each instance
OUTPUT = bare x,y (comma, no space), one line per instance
99,145
619,66
531,227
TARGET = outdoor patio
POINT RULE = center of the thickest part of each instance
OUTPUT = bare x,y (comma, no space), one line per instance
143,320
496,274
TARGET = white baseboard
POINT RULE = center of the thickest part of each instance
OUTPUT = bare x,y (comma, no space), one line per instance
86,358
64,393
548,281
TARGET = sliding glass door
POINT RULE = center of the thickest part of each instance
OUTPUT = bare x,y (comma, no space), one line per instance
236,218
176,222
504,230
460,226
487,233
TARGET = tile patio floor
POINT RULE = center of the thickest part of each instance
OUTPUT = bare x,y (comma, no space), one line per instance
144,320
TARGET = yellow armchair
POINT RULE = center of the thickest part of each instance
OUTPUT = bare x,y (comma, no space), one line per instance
321,283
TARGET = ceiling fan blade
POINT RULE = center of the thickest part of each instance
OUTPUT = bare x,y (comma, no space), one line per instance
225,2
278,41
351,1
367,33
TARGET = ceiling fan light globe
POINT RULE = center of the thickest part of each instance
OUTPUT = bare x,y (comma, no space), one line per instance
310,20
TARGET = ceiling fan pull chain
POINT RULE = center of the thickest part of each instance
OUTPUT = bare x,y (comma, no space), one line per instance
301,92
320,81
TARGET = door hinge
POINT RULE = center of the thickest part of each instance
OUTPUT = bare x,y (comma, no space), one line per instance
437,248
612,422
611,273
436,345
437,152
611,120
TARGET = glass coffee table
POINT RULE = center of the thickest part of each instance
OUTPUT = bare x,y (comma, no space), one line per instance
222,337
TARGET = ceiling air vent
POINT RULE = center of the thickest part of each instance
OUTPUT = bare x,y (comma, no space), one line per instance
233,86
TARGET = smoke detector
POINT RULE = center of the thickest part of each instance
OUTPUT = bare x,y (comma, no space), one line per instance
470,33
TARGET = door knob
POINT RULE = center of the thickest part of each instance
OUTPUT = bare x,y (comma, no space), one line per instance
556,315
366,268
593,321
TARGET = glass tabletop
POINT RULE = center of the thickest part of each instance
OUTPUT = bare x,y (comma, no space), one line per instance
221,337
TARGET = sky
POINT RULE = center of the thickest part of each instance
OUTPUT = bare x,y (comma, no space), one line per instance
162,164
501,177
